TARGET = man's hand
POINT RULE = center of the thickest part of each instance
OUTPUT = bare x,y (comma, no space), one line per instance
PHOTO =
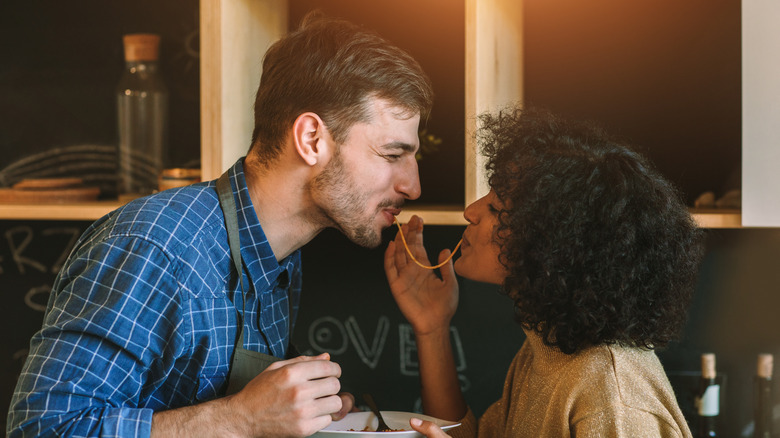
295,397
291,398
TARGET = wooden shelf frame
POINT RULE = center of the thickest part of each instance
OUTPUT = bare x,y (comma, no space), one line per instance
433,214
82,211
235,34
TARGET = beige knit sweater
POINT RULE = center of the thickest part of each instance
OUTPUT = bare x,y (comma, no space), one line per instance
603,391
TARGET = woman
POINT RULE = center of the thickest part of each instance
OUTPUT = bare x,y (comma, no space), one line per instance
599,256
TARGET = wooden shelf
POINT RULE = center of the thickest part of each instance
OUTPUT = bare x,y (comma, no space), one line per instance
90,211
453,215
494,77
434,214
717,218
87,211
431,214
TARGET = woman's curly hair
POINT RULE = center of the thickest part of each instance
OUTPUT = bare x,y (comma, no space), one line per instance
599,247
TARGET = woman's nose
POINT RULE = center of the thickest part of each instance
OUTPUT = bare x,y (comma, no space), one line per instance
470,214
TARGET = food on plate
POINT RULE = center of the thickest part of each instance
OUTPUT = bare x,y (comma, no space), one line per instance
368,429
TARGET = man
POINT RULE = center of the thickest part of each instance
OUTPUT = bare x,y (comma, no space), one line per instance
150,330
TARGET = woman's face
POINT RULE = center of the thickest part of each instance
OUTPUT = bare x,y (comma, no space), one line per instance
479,251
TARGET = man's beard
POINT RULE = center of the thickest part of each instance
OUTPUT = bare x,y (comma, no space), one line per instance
344,204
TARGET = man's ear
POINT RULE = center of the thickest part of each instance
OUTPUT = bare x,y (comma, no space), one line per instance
310,136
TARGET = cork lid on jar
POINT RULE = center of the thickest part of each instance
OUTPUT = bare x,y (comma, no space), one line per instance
141,46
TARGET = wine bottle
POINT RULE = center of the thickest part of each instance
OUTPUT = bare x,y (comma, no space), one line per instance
708,399
763,397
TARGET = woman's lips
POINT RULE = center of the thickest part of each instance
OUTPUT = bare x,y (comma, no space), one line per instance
464,243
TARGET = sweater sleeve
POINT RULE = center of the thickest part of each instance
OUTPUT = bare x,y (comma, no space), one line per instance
467,428
626,422
491,424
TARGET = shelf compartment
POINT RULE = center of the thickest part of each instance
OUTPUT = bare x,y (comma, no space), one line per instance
431,214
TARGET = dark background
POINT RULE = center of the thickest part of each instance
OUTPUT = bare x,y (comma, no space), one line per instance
61,63
663,74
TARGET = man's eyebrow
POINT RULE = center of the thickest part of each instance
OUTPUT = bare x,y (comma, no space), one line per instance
406,147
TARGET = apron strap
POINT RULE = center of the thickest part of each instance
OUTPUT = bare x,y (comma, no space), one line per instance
228,204
231,222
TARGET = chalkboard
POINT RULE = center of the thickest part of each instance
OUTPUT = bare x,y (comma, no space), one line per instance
31,255
347,310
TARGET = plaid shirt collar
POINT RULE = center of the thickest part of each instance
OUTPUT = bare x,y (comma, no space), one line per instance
258,257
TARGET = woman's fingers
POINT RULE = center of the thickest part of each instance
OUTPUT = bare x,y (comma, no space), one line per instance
447,270
409,249
389,262
427,428
414,241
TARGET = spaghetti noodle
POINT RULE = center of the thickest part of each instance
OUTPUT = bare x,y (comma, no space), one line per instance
409,252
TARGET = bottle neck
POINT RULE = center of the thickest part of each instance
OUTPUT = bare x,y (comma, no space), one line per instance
763,407
141,66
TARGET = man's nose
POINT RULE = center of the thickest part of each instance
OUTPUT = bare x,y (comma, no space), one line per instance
409,183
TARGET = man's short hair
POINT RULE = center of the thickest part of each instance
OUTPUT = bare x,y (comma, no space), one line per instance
332,67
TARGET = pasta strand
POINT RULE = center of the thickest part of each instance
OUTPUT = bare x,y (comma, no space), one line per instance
409,252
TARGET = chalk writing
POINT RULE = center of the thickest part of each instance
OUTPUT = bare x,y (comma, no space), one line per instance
369,355
328,334
19,241
331,335
408,353
36,254
321,335
408,350
17,248
36,297
74,234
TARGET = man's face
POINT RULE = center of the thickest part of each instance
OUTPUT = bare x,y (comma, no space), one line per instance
371,174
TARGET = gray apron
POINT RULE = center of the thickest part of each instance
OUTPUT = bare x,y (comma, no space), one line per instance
246,364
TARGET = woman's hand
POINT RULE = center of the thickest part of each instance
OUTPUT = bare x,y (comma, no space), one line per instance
347,406
427,302
427,428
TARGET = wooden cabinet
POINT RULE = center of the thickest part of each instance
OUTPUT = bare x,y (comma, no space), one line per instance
760,113
235,32
493,72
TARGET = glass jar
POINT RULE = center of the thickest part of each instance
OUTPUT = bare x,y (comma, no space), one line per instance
142,107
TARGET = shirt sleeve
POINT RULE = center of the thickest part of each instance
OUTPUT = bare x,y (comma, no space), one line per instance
113,316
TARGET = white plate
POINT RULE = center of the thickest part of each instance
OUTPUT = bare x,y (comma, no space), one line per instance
357,421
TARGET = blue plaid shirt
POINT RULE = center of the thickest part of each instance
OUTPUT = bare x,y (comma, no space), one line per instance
143,317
